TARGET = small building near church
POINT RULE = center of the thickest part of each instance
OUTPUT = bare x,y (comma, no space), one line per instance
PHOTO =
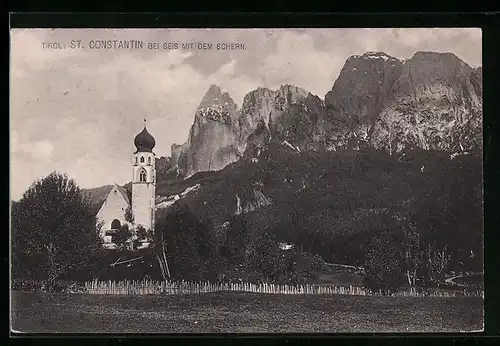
285,246
140,201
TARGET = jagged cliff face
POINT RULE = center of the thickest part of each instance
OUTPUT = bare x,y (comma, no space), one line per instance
430,101
436,103
297,124
221,134
265,106
363,84
356,99
257,141
178,153
258,200
212,139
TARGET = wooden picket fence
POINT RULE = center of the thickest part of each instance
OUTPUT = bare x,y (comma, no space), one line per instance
187,287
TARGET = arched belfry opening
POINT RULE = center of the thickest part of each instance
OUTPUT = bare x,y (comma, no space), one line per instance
116,224
142,175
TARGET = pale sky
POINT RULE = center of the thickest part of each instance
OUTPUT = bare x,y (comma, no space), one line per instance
77,110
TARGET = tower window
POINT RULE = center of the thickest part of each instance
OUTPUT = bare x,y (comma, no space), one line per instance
149,160
142,159
142,175
136,160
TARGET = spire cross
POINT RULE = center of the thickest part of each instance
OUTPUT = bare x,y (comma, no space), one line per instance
144,122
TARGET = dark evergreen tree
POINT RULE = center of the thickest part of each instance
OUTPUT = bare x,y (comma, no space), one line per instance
187,243
384,266
266,258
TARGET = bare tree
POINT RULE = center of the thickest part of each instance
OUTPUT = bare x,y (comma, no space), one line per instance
412,253
161,256
437,263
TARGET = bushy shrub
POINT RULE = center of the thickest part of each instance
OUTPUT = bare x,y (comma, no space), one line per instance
317,263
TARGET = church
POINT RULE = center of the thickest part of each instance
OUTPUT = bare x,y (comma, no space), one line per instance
139,203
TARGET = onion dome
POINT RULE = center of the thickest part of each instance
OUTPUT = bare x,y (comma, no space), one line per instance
144,142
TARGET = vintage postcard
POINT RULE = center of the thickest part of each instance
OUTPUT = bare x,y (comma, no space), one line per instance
246,180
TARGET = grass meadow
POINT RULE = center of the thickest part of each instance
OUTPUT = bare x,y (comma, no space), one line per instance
232,312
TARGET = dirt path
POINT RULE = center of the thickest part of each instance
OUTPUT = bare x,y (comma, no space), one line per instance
450,280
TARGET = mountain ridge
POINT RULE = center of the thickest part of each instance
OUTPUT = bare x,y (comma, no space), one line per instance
431,101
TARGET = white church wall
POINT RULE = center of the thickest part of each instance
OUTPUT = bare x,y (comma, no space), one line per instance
114,207
143,192
143,204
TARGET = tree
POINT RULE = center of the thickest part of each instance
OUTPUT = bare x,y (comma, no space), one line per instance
265,257
129,217
143,233
54,230
449,208
121,236
413,255
435,264
187,242
161,252
384,264
237,238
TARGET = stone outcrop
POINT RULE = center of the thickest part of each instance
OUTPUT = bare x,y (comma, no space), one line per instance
212,140
436,103
258,200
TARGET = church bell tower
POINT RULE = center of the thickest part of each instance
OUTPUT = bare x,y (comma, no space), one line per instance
144,180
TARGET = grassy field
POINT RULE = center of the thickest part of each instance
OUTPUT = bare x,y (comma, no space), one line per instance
242,313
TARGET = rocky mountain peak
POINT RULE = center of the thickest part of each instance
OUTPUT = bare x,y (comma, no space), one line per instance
378,56
212,96
362,85
217,106
254,97
373,57
440,65
290,93
211,142
292,89
216,97
429,55
266,106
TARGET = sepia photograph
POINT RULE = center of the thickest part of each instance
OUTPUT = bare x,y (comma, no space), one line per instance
246,180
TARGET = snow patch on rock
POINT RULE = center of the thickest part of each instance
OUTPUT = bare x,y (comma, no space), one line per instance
165,202
215,113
